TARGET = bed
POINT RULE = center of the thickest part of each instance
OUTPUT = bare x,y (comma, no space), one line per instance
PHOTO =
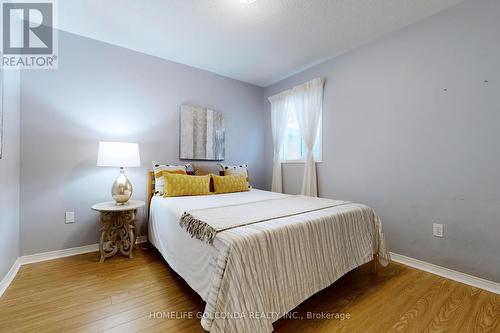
252,275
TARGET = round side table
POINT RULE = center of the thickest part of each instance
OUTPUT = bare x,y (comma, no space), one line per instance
117,227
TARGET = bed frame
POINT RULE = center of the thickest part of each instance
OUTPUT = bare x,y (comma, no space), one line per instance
151,190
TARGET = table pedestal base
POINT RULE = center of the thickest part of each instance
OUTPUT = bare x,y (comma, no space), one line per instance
117,233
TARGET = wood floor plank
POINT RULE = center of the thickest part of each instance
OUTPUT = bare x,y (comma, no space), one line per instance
78,294
485,316
416,317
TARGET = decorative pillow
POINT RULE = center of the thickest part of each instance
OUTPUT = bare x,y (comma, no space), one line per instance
158,171
228,184
235,170
206,169
178,185
190,169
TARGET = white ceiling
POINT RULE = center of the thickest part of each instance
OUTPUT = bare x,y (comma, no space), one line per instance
259,43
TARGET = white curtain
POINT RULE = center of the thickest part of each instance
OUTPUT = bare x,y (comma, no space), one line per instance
308,104
279,110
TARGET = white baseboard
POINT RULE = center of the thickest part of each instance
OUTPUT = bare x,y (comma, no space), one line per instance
73,251
44,256
11,274
38,257
415,263
447,273
141,239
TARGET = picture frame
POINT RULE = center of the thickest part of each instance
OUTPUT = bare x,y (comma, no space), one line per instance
202,134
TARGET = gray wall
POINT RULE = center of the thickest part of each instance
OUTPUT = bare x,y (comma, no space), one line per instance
9,174
105,92
395,140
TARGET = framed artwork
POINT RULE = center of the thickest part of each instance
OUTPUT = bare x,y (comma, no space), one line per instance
202,134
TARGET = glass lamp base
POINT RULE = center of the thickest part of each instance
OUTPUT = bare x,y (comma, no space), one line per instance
122,189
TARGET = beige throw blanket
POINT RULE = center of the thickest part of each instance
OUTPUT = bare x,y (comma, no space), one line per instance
204,224
263,270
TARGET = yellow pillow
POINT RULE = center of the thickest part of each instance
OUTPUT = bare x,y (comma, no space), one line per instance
159,169
228,184
178,185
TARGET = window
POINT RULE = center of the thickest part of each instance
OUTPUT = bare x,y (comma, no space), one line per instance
294,149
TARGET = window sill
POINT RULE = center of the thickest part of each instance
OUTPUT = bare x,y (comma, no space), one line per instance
297,161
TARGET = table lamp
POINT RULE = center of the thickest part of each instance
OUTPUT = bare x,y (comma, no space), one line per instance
119,154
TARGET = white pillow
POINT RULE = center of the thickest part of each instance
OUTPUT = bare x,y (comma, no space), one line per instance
228,170
158,172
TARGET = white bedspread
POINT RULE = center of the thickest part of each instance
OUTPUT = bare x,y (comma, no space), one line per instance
267,267
187,256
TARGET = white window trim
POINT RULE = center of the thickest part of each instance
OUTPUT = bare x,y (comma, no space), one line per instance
298,161
303,160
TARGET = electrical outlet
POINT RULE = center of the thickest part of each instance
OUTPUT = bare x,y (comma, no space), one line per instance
437,230
70,217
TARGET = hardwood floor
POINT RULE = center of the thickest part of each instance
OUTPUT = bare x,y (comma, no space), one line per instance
77,294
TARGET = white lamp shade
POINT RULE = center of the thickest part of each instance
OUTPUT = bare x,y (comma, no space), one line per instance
118,154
